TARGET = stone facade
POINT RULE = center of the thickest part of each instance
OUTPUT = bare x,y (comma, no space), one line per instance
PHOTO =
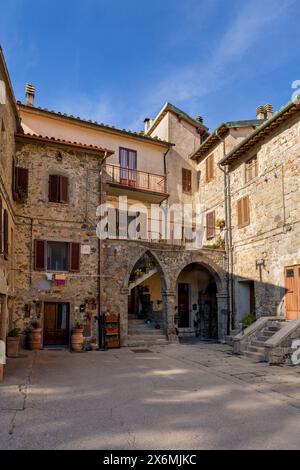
9,124
75,221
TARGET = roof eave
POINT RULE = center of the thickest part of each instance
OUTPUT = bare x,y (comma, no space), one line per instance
94,124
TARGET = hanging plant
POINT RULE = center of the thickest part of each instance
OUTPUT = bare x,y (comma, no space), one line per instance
220,223
20,196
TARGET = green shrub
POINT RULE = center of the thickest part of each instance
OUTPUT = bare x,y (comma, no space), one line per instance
249,319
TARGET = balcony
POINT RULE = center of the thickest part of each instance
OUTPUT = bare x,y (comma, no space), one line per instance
123,181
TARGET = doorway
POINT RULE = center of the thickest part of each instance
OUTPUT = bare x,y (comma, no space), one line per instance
56,323
292,296
183,305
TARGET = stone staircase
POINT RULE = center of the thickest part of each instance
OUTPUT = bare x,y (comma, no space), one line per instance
255,349
141,334
142,278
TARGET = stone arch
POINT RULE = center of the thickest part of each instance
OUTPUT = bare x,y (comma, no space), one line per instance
212,267
158,263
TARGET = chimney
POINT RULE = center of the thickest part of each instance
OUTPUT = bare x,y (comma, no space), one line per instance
30,93
147,124
269,110
264,112
199,119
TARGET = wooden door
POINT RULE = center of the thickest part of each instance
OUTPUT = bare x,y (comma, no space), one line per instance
183,305
56,324
292,295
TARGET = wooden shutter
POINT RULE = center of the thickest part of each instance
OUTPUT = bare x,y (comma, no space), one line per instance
1,234
243,212
210,225
186,180
21,179
5,233
74,256
64,186
210,167
53,188
39,254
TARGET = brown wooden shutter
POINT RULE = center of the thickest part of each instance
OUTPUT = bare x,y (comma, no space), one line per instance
186,180
246,211
5,233
13,177
210,225
1,234
240,213
21,179
210,167
39,254
54,188
64,186
243,212
74,256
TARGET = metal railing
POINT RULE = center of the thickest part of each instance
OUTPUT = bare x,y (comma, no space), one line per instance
136,179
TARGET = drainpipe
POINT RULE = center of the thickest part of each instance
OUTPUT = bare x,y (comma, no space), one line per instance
228,239
100,315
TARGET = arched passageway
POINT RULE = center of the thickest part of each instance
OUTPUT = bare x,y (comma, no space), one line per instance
145,292
197,305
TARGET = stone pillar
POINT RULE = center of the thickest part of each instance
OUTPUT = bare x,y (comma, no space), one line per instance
169,300
222,300
123,310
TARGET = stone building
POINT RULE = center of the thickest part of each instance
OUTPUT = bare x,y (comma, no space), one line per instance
9,124
57,172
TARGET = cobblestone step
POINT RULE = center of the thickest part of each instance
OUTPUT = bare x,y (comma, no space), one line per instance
255,348
258,343
144,331
137,340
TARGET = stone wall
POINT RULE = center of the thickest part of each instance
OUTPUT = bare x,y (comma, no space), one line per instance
120,258
39,219
272,237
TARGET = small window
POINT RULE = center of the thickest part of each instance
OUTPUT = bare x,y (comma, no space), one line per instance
290,273
251,169
58,189
210,168
57,256
186,180
210,225
243,212
198,179
19,182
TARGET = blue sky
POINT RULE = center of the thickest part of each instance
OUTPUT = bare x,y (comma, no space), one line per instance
118,61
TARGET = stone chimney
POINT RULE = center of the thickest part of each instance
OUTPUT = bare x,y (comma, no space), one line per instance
30,93
264,112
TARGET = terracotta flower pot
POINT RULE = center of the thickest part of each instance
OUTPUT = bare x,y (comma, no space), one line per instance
35,339
12,346
77,339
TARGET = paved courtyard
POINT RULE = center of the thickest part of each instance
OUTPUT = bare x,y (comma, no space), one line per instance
187,396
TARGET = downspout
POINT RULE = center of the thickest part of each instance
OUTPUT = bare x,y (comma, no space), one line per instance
228,239
100,258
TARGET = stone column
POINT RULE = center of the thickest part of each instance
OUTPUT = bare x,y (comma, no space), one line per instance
169,300
222,300
123,310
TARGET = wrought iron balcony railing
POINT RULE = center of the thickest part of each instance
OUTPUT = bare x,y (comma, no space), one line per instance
136,179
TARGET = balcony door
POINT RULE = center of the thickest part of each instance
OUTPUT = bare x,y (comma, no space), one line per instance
128,167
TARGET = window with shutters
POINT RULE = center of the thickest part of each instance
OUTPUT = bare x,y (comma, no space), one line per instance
186,180
210,168
57,256
19,183
58,189
251,169
243,212
210,225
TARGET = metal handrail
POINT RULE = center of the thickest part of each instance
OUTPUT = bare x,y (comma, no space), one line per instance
137,179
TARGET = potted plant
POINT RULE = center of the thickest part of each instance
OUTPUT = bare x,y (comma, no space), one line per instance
94,344
20,196
77,337
35,336
220,223
13,343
